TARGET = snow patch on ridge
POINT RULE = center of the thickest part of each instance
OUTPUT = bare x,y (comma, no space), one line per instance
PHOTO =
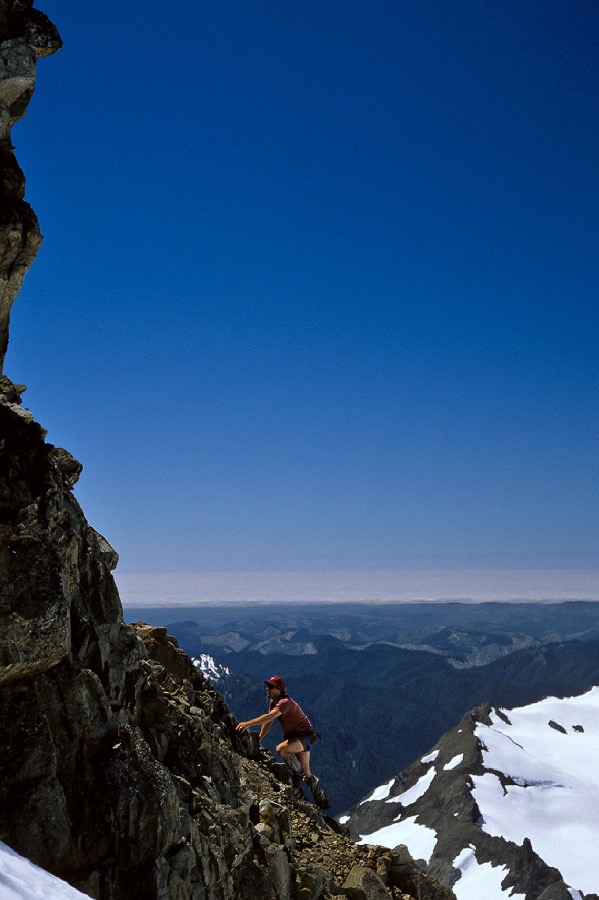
480,879
209,667
430,758
453,762
419,839
417,791
539,782
380,793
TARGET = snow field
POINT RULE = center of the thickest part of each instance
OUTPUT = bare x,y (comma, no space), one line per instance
20,879
555,800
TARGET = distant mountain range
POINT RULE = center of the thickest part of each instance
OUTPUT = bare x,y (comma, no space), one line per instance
467,634
377,705
509,798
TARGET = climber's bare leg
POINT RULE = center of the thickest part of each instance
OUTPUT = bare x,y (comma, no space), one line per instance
295,746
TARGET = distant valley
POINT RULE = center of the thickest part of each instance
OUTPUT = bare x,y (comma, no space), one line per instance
467,634
383,683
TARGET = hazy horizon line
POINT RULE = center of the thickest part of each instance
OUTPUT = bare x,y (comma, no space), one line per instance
359,586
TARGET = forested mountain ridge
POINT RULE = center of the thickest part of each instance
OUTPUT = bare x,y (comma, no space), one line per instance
467,634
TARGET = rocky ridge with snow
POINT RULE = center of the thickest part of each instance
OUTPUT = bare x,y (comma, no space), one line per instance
508,799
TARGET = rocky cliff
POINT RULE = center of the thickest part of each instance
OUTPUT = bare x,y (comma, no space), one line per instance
120,768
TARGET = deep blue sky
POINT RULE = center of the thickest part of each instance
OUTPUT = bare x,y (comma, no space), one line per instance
319,281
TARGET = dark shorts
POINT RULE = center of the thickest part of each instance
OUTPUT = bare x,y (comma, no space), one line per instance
307,739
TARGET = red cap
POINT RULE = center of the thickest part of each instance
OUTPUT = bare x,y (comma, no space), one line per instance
276,681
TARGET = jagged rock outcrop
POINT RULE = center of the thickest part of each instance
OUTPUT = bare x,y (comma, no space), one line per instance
120,767
25,35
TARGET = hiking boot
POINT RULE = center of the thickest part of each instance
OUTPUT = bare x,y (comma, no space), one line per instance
320,798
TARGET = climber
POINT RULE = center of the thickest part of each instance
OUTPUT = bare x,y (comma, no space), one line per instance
298,736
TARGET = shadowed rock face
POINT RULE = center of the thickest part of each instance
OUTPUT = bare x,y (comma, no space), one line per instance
120,767
25,35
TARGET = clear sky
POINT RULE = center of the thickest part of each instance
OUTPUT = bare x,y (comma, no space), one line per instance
318,289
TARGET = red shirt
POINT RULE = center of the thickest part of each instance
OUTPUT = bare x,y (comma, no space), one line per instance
293,719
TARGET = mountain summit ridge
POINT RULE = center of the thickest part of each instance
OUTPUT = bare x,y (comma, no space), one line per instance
514,789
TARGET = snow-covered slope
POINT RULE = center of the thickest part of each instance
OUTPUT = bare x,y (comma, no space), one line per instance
20,879
507,801
215,672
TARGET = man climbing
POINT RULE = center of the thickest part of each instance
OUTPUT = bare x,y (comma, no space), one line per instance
298,736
